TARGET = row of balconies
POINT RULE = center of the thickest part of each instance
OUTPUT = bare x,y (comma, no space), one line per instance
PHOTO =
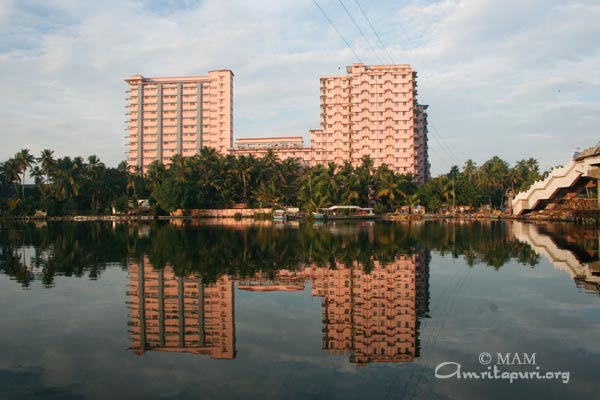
357,85
382,90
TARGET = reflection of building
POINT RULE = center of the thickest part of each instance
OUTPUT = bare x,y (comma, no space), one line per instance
581,262
174,314
369,314
260,283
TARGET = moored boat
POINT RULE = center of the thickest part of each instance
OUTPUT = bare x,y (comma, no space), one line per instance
280,215
344,212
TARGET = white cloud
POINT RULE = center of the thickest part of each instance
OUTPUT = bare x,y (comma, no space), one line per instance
495,73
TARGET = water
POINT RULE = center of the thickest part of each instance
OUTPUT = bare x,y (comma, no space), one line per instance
340,311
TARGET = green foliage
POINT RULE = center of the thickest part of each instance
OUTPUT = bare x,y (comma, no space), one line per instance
209,180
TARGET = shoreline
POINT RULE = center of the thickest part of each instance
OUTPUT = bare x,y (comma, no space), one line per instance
587,218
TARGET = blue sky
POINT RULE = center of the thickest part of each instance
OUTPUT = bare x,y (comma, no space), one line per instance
516,79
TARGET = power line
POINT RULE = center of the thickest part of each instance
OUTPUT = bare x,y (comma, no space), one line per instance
361,32
374,31
441,155
338,32
443,142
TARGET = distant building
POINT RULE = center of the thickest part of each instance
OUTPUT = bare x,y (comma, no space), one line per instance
372,111
178,116
284,147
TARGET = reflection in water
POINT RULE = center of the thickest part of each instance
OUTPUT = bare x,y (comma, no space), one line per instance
180,315
575,252
307,304
369,315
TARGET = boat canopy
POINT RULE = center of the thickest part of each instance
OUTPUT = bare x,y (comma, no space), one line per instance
333,208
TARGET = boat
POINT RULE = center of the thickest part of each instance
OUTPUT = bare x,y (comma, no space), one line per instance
280,215
344,212
287,214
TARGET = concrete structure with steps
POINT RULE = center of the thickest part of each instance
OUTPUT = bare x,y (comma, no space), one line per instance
562,182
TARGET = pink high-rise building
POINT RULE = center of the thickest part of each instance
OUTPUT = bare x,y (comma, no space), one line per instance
178,116
371,111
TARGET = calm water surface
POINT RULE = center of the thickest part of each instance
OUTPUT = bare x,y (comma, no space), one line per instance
341,311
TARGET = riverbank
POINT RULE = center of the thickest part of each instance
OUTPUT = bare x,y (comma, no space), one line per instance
587,217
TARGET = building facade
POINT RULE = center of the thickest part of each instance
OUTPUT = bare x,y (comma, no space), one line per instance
284,147
178,116
371,111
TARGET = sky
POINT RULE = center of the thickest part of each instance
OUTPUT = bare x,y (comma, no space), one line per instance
512,78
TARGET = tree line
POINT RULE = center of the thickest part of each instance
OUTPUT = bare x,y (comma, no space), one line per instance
67,186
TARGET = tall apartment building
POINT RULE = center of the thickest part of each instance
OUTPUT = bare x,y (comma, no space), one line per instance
178,116
373,111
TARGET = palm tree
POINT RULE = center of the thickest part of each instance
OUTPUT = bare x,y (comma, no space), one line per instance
155,174
318,200
66,180
411,201
267,194
10,174
388,186
134,178
47,162
470,170
447,190
243,168
181,167
38,177
94,170
24,160
287,173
